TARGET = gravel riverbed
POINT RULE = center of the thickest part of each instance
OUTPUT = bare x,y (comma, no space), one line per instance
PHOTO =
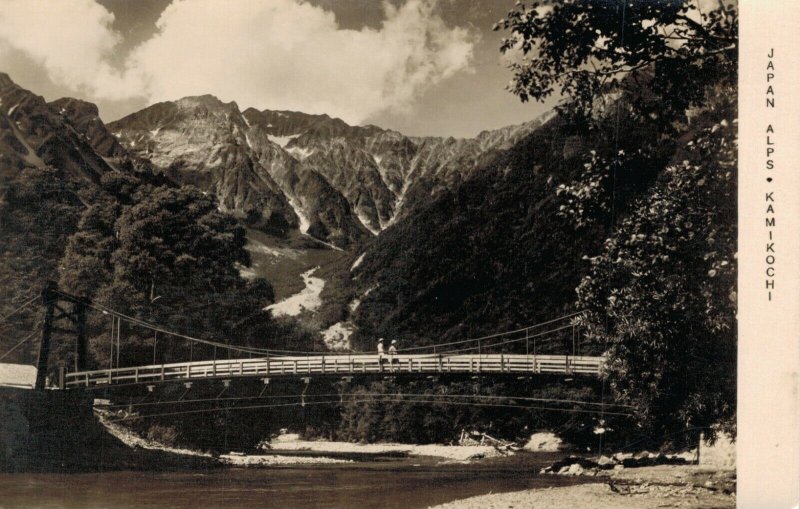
685,486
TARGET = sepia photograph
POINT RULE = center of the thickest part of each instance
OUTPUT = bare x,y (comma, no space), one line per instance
376,254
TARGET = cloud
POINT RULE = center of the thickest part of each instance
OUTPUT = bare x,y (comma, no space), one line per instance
72,41
280,54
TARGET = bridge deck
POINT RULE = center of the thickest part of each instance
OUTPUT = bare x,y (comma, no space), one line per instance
339,364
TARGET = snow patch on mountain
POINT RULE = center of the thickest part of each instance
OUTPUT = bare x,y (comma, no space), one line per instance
366,222
282,140
358,262
305,224
300,152
308,299
401,198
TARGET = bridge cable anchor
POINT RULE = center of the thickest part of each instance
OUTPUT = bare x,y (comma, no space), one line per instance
225,384
307,382
266,386
188,386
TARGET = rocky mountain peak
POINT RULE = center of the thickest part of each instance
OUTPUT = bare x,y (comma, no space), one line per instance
5,81
207,101
85,118
34,133
75,107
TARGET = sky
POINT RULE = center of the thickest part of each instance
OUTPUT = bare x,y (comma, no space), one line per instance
422,67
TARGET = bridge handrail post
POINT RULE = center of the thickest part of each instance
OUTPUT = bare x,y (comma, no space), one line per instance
267,358
527,352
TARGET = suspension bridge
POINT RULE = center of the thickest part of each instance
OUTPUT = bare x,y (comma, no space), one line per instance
492,355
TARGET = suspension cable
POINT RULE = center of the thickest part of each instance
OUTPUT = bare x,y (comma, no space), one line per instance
266,351
490,336
20,308
443,397
357,401
29,336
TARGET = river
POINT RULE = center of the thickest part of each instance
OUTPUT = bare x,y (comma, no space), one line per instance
398,483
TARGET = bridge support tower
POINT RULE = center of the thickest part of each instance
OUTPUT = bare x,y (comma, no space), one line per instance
60,307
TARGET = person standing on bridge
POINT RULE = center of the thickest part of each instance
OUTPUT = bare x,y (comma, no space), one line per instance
381,354
392,353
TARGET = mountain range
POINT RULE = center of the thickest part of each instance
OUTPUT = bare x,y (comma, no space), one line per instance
281,170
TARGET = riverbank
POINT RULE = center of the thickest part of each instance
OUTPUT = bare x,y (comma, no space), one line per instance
635,488
58,431
288,449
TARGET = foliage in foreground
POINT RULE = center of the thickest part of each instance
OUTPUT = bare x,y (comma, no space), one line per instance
661,293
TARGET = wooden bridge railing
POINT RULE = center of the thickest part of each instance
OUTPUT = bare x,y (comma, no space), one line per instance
342,364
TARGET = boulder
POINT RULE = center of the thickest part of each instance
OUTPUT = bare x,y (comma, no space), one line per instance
544,442
618,457
606,462
575,469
